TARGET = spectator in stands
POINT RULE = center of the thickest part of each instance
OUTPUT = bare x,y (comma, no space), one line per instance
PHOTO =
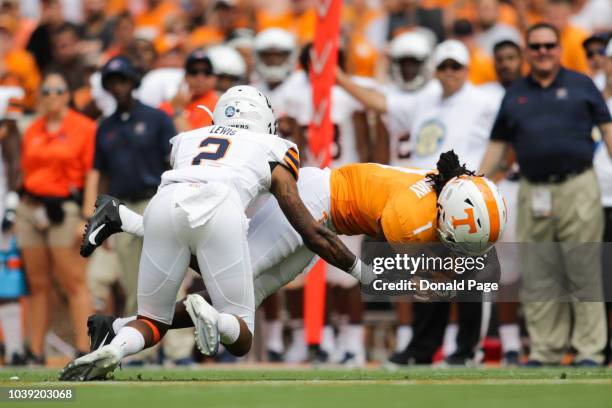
198,89
66,57
558,13
40,44
132,149
547,117
481,64
489,31
595,50
57,152
17,66
411,15
122,36
228,66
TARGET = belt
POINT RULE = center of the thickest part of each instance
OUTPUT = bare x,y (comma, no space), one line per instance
145,194
557,178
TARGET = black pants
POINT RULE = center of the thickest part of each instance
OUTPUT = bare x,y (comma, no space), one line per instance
429,323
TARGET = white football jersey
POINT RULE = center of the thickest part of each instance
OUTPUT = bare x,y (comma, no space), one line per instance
461,122
236,157
401,107
343,106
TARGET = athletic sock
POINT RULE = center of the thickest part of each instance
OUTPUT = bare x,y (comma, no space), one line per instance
509,335
10,318
328,342
229,328
403,336
130,221
119,322
450,339
274,335
355,338
129,341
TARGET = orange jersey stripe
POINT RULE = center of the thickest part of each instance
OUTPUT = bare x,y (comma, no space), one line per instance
292,168
293,153
492,209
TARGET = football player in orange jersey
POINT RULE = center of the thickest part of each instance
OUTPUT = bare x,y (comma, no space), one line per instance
403,205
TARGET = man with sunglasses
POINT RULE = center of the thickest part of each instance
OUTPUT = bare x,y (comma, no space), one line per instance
198,89
595,50
548,117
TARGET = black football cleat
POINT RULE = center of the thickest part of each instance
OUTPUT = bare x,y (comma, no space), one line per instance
100,331
104,223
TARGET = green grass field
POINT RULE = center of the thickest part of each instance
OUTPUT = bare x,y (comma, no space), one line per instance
268,387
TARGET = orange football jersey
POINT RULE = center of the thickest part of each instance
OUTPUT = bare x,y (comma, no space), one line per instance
368,198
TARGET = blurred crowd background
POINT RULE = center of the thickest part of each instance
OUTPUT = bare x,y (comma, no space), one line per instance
78,78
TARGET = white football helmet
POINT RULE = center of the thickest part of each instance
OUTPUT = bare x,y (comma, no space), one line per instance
227,61
245,107
275,39
414,44
472,215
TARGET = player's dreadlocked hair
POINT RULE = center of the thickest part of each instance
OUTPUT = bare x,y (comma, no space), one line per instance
448,167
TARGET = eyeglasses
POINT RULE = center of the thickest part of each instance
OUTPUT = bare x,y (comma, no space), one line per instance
538,46
48,90
195,71
599,51
453,65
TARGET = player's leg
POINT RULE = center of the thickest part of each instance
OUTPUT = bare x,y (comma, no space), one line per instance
163,265
223,255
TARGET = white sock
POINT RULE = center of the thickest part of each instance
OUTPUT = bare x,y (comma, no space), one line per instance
129,340
450,339
328,342
509,335
403,336
354,338
122,321
131,222
274,335
229,328
10,318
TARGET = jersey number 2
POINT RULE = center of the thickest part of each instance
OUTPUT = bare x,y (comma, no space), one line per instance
211,148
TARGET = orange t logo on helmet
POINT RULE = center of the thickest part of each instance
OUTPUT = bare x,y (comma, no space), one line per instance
469,220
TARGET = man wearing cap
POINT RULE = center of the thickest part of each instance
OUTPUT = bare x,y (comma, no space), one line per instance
197,90
132,148
595,49
548,117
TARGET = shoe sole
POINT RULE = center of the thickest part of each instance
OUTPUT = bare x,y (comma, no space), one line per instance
89,371
206,331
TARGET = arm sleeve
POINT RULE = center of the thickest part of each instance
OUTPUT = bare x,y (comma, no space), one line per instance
166,132
99,162
501,126
285,153
597,104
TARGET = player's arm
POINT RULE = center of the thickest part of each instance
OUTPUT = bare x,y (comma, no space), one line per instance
495,153
95,183
316,237
606,134
370,98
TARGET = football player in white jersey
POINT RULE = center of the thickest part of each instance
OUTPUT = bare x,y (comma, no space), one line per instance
349,146
200,208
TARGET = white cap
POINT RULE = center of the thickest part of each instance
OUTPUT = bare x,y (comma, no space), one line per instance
452,50
609,49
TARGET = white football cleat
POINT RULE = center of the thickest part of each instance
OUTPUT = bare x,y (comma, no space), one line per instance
205,319
93,366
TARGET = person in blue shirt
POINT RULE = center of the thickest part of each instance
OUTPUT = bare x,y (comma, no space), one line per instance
132,151
548,117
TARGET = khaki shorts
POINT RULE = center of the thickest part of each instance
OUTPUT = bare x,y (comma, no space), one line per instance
30,234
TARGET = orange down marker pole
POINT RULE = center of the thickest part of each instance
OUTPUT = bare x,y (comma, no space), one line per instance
324,58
